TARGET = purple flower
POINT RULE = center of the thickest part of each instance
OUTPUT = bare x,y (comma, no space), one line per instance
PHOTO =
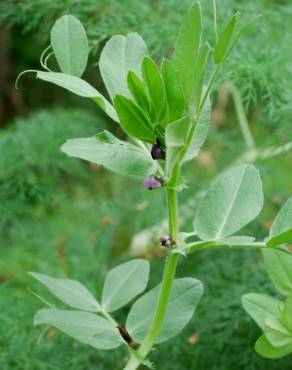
166,241
152,182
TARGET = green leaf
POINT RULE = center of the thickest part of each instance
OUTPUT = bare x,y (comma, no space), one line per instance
123,283
155,88
200,134
83,326
265,349
138,91
173,90
186,49
72,292
70,45
133,120
79,87
224,40
260,307
286,314
115,155
281,230
176,132
276,333
232,201
120,55
184,298
201,64
279,268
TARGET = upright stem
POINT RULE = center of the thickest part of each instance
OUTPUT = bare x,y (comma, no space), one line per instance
215,20
167,280
242,120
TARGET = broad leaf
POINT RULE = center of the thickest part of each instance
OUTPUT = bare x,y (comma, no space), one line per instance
123,283
133,120
186,49
176,132
279,266
260,307
138,91
78,87
83,326
199,79
200,134
120,55
276,333
184,298
155,88
265,349
281,230
118,156
70,45
225,40
72,292
286,314
173,90
232,201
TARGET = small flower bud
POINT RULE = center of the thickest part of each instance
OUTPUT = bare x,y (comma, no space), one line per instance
157,152
152,182
166,241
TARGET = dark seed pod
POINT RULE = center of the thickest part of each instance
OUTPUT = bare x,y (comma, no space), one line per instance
126,336
157,152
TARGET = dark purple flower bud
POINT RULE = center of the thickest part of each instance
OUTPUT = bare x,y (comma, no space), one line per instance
166,241
157,152
152,182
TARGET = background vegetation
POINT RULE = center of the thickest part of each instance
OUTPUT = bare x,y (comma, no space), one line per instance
64,217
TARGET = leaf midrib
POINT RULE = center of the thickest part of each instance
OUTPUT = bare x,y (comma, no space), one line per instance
229,209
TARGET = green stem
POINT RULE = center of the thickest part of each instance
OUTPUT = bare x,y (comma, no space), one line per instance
167,280
242,120
109,317
215,20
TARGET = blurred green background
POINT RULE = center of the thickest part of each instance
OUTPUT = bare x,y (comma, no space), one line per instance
64,217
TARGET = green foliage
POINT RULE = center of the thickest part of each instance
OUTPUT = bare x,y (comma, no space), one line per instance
120,55
274,316
200,134
70,45
123,283
184,297
32,168
281,230
118,156
133,120
186,49
254,67
78,87
173,90
224,41
275,330
83,326
261,306
69,291
278,266
232,201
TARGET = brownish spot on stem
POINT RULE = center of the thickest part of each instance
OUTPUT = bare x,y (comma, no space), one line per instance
126,336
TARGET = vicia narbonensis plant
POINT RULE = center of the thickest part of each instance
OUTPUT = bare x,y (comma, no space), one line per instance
165,110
